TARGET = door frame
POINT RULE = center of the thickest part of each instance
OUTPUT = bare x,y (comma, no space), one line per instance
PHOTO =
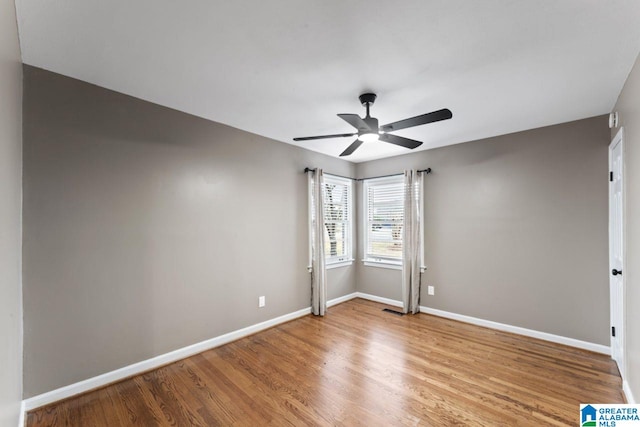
618,139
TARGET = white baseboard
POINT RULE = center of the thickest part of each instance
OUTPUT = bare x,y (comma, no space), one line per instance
376,298
341,299
598,348
23,411
163,359
627,393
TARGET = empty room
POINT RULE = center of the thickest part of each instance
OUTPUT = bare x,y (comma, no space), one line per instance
319,213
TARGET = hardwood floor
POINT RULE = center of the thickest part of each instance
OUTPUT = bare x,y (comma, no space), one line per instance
357,366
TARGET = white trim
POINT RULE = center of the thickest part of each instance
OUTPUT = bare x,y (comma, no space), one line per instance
383,264
627,393
348,183
598,348
343,263
620,328
371,260
381,300
163,359
342,299
23,411
572,342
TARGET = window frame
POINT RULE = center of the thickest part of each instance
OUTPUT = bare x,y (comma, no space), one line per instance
347,258
373,260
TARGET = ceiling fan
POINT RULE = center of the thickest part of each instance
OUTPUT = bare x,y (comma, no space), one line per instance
368,129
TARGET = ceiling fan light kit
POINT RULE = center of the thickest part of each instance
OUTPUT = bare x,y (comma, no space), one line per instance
369,130
368,137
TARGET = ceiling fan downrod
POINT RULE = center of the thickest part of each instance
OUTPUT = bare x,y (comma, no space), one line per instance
367,99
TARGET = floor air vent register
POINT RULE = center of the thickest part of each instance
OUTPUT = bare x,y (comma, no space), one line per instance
397,313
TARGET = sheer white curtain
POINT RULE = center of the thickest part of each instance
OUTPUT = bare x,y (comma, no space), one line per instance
412,241
316,224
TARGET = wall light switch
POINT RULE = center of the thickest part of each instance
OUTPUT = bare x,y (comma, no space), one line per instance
261,301
431,290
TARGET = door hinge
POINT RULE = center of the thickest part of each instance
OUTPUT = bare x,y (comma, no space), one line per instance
611,176
613,331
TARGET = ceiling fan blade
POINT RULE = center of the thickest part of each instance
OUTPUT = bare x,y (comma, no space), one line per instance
400,140
350,149
339,135
356,121
434,116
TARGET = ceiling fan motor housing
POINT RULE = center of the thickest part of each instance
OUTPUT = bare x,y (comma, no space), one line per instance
367,98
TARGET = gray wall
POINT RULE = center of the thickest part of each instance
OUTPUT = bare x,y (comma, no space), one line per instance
10,211
516,229
628,107
147,229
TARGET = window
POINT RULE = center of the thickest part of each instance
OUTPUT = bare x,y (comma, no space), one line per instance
337,220
384,215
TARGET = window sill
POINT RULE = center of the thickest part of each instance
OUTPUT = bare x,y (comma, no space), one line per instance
344,263
383,264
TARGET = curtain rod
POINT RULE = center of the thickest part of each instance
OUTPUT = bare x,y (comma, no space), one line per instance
339,176
426,171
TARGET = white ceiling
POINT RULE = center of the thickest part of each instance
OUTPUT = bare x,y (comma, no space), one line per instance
285,68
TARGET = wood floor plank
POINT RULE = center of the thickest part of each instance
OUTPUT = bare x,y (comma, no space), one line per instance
357,366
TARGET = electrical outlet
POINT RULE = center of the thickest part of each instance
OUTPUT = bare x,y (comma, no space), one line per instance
431,290
261,301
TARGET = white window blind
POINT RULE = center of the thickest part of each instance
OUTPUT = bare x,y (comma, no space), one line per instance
337,218
384,205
